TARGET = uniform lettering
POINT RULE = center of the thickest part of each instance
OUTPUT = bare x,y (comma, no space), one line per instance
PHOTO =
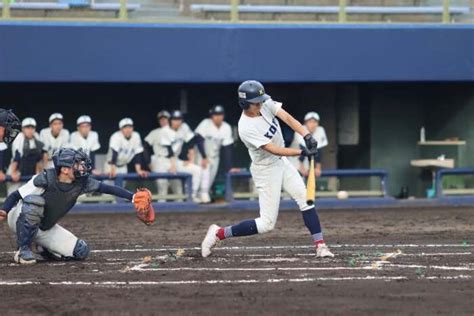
272,130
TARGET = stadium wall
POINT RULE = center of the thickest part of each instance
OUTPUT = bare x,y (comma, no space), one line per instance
209,53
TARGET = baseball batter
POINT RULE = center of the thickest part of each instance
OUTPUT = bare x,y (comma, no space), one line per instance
216,135
125,147
34,209
86,138
55,136
260,131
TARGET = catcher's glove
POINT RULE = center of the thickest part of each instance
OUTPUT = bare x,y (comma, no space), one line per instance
143,206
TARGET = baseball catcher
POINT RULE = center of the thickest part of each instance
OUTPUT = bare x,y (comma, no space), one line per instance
35,208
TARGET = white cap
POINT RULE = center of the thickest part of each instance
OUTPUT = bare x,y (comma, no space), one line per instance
28,121
311,116
125,122
55,116
83,119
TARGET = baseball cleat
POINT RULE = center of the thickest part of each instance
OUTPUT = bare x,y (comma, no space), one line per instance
24,256
205,198
210,241
322,251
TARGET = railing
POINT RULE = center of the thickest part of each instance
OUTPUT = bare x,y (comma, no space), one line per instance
121,178
341,173
441,192
340,11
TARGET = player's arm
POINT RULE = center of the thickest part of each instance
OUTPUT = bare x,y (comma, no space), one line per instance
286,117
285,151
15,173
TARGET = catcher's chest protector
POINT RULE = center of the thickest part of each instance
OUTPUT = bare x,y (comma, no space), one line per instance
59,197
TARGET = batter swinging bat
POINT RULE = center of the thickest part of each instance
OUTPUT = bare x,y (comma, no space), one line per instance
311,185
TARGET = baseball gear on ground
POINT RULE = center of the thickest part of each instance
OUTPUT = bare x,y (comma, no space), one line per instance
310,142
251,92
71,158
12,124
142,200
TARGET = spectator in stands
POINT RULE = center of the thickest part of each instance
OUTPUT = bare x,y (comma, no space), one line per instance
125,151
28,154
54,137
86,138
161,160
180,141
311,122
216,134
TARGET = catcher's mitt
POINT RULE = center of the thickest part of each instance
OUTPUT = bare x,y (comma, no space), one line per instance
143,206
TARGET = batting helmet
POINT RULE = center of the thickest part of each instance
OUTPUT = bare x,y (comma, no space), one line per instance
251,91
78,160
12,125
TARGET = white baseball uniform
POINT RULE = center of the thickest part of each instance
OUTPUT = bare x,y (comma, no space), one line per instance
89,144
270,172
298,140
52,143
57,239
214,138
126,149
176,140
160,162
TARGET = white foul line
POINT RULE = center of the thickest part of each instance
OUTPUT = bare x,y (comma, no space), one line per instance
238,281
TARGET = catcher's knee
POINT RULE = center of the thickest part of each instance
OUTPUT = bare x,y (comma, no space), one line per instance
265,224
81,250
33,208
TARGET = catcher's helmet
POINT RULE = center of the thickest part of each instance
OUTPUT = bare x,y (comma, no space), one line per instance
251,91
78,160
12,125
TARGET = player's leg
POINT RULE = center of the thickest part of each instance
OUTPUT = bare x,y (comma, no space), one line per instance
196,172
205,185
25,220
294,185
268,181
159,164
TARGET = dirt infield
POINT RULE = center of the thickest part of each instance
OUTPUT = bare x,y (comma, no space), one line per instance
400,261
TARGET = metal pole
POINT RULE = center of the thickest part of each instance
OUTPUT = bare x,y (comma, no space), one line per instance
6,9
234,11
446,15
123,13
342,11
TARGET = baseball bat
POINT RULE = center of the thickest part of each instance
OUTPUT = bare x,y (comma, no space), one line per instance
311,184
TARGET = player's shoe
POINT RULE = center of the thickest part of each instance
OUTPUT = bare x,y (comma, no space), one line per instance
196,199
24,256
205,198
210,241
322,251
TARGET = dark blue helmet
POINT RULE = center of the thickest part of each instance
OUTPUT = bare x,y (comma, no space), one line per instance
251,91
217,110
12,125
176,115
78,160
